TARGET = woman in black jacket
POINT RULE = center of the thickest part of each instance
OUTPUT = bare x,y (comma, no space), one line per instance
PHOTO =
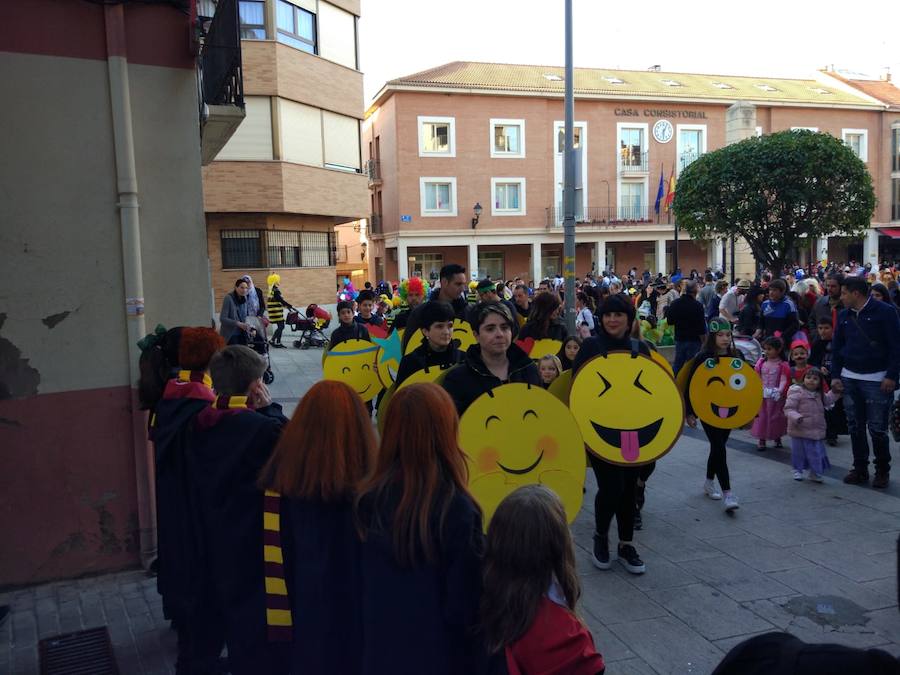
492,361
616,485
422,544
543,319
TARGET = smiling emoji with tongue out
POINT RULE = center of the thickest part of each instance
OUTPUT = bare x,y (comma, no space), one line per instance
725,392
628,408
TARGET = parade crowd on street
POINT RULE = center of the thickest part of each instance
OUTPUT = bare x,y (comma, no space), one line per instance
348,540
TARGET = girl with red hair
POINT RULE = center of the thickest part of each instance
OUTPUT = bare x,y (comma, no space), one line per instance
313,594
422,542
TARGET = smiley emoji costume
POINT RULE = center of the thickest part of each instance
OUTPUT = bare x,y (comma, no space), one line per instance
616,484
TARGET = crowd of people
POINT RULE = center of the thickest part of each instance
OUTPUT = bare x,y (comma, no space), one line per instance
312,547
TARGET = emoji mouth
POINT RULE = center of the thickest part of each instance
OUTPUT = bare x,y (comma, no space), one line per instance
629,441
723,412
368,386
519,472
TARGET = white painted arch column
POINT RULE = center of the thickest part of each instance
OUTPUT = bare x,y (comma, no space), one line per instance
402,260
661,255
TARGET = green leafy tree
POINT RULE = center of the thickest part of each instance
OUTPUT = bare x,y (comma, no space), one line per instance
774,190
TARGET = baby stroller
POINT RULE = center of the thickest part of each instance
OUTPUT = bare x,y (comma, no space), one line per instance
311,326
749,348
258,343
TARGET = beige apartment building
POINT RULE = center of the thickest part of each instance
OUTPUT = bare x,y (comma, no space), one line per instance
465,164
292,171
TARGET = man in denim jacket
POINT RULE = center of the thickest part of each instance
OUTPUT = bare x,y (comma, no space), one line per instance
866,362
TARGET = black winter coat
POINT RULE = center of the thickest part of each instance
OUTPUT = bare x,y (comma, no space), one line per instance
470,379
421,620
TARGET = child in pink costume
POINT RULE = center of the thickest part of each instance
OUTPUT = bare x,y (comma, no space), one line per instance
805,412
775,373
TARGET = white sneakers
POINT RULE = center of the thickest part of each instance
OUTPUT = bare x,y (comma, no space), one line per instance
798,475
712,490
731,502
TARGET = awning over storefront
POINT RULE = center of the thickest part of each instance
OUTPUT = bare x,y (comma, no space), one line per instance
892,232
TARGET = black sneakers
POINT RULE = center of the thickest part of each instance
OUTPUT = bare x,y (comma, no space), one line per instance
601,557
630,559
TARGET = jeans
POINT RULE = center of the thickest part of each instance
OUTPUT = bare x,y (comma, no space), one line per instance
685,350
866,405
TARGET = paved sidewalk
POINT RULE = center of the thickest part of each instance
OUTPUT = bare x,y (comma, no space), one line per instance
818,561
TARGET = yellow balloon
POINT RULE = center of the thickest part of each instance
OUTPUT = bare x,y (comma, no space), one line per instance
462,332
628,408
519,434
353,362
725,392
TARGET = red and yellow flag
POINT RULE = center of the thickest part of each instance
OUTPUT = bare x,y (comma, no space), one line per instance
670,190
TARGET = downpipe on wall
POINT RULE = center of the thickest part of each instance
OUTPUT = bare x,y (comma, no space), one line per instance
129,219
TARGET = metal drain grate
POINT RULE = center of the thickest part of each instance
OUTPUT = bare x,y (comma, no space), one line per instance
86,652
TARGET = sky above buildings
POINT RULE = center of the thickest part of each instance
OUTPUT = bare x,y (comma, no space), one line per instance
775,38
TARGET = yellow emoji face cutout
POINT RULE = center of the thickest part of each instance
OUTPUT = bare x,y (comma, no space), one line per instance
353,362
519,434
543,347
628,408
725,392
462,333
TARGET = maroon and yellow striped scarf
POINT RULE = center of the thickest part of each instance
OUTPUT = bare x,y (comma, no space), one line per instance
278,604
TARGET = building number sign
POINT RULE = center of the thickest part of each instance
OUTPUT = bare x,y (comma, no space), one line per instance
662,131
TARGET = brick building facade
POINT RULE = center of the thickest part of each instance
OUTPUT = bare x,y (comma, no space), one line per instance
442,141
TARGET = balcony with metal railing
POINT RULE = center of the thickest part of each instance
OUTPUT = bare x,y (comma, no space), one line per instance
373,172
340,253
687,158
633,160
219,78
606,216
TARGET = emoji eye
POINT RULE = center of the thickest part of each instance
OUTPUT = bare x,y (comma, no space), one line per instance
345,369
637,382
736,364
737,382
490,419
606,385
366,366
710,363
529,412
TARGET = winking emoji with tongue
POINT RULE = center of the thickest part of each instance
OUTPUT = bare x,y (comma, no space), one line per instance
628,408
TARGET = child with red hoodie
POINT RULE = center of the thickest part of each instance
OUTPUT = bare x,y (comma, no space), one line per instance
531,588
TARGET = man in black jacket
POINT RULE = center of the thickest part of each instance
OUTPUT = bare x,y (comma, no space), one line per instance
687,316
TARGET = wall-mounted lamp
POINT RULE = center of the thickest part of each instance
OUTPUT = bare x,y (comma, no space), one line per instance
477,211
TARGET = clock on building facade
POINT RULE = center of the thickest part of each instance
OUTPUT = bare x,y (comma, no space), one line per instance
663,131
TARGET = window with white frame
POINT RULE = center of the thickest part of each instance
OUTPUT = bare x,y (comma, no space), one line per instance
857,140
895,148
508,196
438,196
691,143
437,136
507,138
490,264
632,200
632,147
561,139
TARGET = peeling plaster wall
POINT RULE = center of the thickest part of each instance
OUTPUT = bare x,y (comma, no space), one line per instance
67,475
